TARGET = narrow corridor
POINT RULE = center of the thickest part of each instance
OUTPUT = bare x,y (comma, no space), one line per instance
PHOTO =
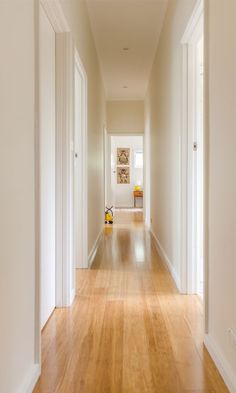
128,330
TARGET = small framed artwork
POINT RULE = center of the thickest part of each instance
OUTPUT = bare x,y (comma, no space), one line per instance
123,156
123,175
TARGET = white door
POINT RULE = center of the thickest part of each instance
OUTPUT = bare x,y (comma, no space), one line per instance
192,163
78,173
197,169
47,167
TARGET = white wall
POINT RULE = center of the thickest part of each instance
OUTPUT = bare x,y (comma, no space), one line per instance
47,166
222,181
122,194
125,117
77,18
17,196
163,122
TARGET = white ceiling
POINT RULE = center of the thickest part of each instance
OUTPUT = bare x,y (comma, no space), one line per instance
133,24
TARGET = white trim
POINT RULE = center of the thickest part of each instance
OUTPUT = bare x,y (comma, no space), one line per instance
64,126
56,16
206,164
31,379
94,249
223,366
166,260
37,319
193,21
84,208
105,163
146,176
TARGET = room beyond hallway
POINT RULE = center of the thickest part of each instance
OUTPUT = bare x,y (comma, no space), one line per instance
129,330
133,217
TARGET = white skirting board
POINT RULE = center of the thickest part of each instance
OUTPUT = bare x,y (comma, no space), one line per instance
93,252
165,259
222,365
31,379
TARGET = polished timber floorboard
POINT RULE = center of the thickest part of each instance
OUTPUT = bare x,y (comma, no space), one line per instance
129,330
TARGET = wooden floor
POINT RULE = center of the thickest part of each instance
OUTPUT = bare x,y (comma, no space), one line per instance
128,330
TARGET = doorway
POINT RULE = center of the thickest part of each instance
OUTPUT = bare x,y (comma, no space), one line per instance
62,162
125,185
192,173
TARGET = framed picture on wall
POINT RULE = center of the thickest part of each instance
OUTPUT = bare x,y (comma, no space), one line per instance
123,175
123,156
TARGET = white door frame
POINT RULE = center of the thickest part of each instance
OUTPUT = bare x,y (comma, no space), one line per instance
64,132
191,35
60,26
107,136
82,161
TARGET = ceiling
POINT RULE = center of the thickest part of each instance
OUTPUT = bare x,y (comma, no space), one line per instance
126,34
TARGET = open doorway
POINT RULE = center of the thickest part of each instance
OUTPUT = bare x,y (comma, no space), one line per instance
125,172
192,182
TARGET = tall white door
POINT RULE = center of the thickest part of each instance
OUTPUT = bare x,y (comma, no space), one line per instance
78,174
47,166
197,206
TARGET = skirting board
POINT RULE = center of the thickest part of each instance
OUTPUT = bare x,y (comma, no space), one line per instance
93,252
165,259
31,379
222,365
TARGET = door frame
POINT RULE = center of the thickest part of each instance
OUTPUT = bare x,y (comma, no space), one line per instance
64,130
107,146
194,28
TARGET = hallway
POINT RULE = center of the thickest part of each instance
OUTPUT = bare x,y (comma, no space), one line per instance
128,330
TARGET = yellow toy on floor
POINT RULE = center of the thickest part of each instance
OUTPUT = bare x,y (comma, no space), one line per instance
109,215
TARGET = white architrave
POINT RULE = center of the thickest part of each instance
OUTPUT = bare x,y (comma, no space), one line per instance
64,129
60,26
55,15
191,34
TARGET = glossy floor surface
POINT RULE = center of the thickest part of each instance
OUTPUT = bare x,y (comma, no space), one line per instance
128,330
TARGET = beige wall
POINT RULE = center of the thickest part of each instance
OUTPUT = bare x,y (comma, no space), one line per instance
163,122
17,172
125,117
77,17
17,196
222,181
